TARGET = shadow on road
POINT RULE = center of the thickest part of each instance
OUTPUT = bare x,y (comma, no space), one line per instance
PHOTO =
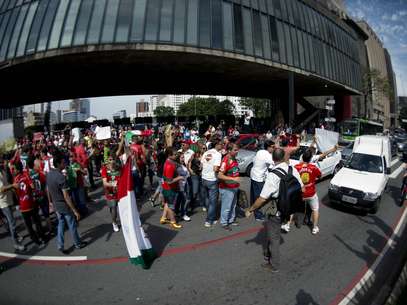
348,210
304,298
160,237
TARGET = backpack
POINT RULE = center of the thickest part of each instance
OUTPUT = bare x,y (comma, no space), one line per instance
290,193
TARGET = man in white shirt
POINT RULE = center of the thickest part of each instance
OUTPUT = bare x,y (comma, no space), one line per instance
273,222
261,163
211,161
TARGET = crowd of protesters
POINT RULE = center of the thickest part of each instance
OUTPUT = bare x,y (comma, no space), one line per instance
190,170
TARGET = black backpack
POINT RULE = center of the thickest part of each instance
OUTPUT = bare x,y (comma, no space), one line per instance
290,193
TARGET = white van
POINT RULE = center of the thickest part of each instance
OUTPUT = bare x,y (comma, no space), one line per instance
363,179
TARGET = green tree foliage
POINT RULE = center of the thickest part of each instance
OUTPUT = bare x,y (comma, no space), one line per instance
163,111
206,107
260,107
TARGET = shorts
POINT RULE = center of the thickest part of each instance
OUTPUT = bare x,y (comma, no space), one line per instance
111,203
170,198
313,202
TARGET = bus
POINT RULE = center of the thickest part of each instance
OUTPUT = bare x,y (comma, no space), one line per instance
352,128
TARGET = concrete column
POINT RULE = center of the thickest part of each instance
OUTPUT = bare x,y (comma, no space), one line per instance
343,107
291,99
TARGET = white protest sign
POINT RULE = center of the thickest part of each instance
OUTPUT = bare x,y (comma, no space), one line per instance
76,132
326,139
103,133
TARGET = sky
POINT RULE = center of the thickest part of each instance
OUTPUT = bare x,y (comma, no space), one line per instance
388,18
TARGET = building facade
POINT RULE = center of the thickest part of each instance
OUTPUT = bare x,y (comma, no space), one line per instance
393,95
73,116
120,114
143,109
11,113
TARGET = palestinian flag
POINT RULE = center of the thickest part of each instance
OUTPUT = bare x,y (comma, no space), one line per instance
138,245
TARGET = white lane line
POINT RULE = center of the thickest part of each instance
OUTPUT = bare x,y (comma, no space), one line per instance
394,161
370,272
44,258
397,172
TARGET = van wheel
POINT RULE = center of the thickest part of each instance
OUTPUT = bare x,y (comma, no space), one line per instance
376,206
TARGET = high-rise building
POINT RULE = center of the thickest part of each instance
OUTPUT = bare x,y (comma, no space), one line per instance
120,114
377,61
74,116
142,109
80,105
11,113
393,88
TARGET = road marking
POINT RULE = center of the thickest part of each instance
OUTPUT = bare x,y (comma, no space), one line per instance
394,161
397,172
44,258
369,272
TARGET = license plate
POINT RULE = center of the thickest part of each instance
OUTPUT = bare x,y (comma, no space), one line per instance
349,199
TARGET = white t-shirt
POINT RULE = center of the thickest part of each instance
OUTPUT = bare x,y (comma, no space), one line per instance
187,156
261,163
5,198
272,183
210,159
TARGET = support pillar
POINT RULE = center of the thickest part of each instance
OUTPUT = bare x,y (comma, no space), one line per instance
291,99
343,107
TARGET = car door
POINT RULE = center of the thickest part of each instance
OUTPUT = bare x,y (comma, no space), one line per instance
327,165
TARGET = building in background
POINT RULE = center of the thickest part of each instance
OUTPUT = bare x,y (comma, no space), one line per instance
73,116
121,114
80,105
393,88
11,123
142,109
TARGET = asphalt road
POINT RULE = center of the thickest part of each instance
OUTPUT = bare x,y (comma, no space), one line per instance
211,266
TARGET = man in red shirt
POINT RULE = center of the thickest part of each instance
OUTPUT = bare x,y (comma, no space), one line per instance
229,186
28,208
309,174
170,189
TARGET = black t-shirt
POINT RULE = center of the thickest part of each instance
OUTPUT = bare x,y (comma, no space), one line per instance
56,182
196,166
160,163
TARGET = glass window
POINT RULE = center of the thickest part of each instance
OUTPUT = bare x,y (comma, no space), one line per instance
284,12
83,21
227,26
277,8
300,15
95,27
17,30
281,44
36,26
7,35
289,48
311,53
192,28
217,34
306,51
47,24
246,2
248,32
262,6
291,12
295,49
26,28
109,26
124,20
70,21
275,47
205,23
238,24
301,49
266,36
138,20
255,4
166,20
270,7
3,25
326,65
179,21
257,33
152,19
305,17
11,4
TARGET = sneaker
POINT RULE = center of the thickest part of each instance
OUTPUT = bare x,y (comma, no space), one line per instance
203,209
63,251
260,219
207,224
164,220
285,227
186,218
83,244
235,223
175,225
152,202
20,238
227,228
19,247
315,230
270,267
115,227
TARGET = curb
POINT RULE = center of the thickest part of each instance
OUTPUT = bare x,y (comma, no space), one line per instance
398,287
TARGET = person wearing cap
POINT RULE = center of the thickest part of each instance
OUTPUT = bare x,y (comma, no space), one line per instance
261,163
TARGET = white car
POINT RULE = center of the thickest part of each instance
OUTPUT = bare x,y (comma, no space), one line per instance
330,165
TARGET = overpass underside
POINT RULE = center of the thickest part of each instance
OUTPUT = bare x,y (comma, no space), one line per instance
79,73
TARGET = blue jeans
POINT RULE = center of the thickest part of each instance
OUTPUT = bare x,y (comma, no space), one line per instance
210,190
196,183
78,195
137,182
255,191
229,199
8,212
72,225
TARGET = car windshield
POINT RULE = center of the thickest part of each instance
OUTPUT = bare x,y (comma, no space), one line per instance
350,128
298,153
365,163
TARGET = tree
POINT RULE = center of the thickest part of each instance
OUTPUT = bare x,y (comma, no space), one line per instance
200,106
163,111
260,107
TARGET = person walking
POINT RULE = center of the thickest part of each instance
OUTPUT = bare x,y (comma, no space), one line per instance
66,211
274,217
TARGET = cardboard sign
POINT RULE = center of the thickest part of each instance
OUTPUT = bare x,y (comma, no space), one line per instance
326,139
103,133
76,132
